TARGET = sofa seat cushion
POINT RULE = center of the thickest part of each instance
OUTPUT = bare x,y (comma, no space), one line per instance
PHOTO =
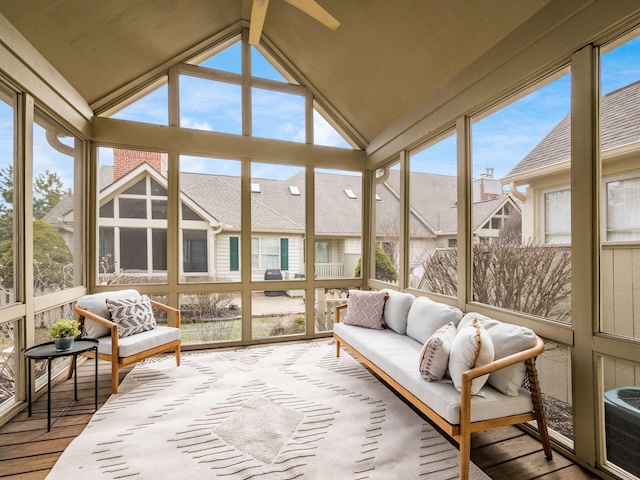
399,355
139,342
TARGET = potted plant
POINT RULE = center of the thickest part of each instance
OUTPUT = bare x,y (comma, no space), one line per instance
63,333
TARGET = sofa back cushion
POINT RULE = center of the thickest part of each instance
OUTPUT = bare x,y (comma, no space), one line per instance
97,304
507,339
427,316
396,309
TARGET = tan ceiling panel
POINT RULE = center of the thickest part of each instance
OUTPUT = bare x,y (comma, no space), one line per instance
383,59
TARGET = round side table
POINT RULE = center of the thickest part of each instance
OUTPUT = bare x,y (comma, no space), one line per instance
47,351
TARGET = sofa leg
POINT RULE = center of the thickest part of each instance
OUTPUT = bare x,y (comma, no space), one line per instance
337,348
178,356
465,456
538,407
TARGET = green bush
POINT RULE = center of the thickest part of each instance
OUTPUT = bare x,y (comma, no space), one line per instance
385,270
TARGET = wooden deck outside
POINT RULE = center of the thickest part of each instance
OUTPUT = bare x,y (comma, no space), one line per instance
28,452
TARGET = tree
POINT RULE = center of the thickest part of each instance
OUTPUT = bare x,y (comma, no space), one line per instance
52,260
47,192
385,269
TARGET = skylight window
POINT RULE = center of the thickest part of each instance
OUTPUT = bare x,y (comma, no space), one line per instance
255,188
350,193
293,190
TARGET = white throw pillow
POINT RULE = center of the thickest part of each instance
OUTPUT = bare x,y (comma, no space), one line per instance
133,315
365,309
396,309
96,304
507,339
427,316
434,357
471,348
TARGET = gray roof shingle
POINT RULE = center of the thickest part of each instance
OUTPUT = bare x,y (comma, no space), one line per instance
620,126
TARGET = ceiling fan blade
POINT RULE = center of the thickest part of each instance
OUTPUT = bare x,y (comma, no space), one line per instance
314,10
258,15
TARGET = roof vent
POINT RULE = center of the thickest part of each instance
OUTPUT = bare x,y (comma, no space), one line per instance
255,188
293,190
350,193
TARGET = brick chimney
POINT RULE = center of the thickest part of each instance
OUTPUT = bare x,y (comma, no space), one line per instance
126,160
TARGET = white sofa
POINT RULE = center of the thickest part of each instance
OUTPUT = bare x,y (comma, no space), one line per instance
394,353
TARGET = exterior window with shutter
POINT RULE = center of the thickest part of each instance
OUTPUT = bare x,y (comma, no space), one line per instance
234,255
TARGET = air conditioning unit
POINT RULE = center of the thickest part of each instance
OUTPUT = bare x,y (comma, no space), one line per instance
622,422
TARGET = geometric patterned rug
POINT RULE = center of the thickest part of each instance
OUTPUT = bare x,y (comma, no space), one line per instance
275,412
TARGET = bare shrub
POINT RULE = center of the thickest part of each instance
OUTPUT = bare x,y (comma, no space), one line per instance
529,278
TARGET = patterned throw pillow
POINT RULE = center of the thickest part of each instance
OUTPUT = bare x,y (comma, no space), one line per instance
133,315
434,358
365,309
471,348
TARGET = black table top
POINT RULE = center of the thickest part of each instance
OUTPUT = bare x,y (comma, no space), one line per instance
48,350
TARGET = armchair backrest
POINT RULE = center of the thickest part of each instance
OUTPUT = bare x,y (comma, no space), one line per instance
96,304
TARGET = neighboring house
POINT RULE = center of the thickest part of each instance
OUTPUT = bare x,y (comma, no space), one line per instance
133,220
545,173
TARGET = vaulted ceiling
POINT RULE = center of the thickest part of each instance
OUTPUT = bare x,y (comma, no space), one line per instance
384,59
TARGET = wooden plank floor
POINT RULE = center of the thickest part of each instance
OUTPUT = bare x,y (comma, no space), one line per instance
28,452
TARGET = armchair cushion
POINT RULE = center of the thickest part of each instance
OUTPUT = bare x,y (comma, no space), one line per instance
133,315
134,344
97,304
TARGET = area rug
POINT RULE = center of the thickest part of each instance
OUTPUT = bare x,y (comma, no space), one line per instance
274,412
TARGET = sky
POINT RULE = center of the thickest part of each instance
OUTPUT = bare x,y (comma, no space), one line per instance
499,140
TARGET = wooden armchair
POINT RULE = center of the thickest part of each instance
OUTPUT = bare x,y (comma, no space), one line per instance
96,322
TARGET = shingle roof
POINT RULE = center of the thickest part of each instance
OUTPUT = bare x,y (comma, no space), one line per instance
620,126
64,206
275,209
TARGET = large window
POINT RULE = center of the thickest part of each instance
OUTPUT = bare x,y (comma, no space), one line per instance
620,251
132,222
55,249
387,223
277,221
433,221
7,199
521,174
210,219
338,223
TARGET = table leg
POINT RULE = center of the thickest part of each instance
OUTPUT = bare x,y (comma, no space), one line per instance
29,384
75,380
95,381
49,394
